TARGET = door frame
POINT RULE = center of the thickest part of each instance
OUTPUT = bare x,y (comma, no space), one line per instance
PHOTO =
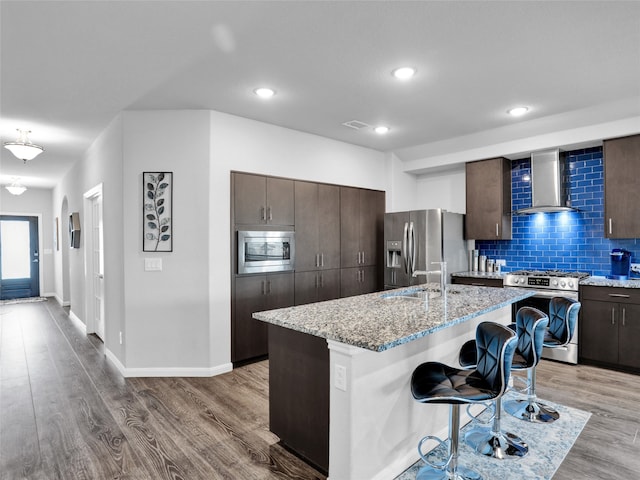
41,252
87,226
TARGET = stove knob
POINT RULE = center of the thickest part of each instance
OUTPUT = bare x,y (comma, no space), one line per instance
555,283
562,284
570,284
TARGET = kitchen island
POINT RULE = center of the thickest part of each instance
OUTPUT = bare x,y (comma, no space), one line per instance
339,372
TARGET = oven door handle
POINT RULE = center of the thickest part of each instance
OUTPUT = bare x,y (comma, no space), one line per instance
553,293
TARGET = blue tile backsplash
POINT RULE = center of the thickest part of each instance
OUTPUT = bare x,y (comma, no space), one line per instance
564,240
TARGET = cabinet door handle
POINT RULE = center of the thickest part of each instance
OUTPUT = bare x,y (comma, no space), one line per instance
321,280
317,260
263,213
363,258
362,281
610,226
618,295
316,284
268,286
624,314
262,287
270,213
322,259
497,230
478,284
613,316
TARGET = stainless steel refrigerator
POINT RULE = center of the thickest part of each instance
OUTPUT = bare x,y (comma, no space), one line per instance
414,240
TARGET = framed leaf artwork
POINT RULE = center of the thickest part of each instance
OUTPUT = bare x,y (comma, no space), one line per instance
157,221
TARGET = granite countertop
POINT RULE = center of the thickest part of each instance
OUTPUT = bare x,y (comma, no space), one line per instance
383,320
608,282
494,275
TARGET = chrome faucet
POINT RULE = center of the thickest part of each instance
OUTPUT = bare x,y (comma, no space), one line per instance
442,272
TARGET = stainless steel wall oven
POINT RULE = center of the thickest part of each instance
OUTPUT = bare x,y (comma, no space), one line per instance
261,251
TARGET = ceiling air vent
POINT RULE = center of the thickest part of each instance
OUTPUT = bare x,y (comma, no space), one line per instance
355,124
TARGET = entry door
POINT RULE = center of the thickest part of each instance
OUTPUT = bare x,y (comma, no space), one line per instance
19,257
98,265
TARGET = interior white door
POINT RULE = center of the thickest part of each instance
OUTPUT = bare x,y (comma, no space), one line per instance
98,265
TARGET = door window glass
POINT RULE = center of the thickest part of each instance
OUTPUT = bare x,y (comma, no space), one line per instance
16,256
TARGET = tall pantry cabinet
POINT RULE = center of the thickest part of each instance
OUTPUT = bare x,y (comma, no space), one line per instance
338,251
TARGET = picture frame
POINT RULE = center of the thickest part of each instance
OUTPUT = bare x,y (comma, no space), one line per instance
157,212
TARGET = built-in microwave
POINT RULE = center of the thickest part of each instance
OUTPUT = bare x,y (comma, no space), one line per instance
265,251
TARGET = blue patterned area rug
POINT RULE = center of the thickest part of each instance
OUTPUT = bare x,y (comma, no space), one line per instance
548,445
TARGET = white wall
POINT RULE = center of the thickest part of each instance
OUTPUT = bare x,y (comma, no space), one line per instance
101,164
442,189
36,201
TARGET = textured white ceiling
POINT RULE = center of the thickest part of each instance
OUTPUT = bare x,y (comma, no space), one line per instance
67,68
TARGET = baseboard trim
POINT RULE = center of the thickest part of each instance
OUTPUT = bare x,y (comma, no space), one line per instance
167,371
79,323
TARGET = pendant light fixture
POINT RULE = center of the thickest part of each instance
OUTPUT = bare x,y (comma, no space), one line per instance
22,148
16,188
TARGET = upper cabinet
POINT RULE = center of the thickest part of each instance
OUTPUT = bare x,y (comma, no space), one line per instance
317,221
488,188
361,226
260,200
621,192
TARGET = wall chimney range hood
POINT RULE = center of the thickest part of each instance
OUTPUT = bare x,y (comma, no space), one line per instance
549,181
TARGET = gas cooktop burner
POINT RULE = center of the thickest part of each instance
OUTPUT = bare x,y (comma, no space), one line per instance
550,273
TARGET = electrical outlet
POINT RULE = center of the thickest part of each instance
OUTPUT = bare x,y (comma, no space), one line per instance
340,378
501,262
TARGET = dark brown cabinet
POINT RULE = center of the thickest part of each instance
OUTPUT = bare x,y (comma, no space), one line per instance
621,192
358,280
361,226
260,200
317,286
478,281
610,326
255,293
317,223
488,202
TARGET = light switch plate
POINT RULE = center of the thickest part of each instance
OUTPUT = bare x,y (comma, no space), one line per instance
153,264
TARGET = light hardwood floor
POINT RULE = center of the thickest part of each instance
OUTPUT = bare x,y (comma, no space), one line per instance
66,413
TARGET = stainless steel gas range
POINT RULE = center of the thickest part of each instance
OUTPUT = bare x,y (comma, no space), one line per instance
549,284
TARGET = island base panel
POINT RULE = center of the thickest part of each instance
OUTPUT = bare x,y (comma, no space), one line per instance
299,394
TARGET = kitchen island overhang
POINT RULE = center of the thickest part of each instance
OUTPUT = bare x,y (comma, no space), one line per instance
361,351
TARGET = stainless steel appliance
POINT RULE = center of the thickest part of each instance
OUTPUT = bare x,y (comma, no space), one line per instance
417,239
261,251
549,284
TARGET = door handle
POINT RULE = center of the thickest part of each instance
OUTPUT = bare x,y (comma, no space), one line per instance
610,226
497,230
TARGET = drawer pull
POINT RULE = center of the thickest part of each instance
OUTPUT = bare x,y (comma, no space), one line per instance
478,284
618,295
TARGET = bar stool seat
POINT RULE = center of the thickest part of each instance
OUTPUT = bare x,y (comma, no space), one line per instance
434,382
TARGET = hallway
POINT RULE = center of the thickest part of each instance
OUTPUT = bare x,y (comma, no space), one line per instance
66,412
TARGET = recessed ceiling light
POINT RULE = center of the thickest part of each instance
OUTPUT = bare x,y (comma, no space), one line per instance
517,111
264,92
404,73
381,130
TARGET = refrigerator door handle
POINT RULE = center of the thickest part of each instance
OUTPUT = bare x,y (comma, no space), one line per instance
412,248
405,240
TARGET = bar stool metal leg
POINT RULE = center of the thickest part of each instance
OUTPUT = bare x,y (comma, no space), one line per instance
493,442
450,470
530,409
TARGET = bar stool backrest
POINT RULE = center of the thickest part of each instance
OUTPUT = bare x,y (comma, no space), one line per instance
496,345
531,325
563,316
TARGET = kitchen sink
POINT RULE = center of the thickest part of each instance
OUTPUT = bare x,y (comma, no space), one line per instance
416,294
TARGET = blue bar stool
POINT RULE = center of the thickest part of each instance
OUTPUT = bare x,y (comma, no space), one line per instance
530,325
563,314
434,382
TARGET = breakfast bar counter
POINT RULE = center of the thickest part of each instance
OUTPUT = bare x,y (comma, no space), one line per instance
339,372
